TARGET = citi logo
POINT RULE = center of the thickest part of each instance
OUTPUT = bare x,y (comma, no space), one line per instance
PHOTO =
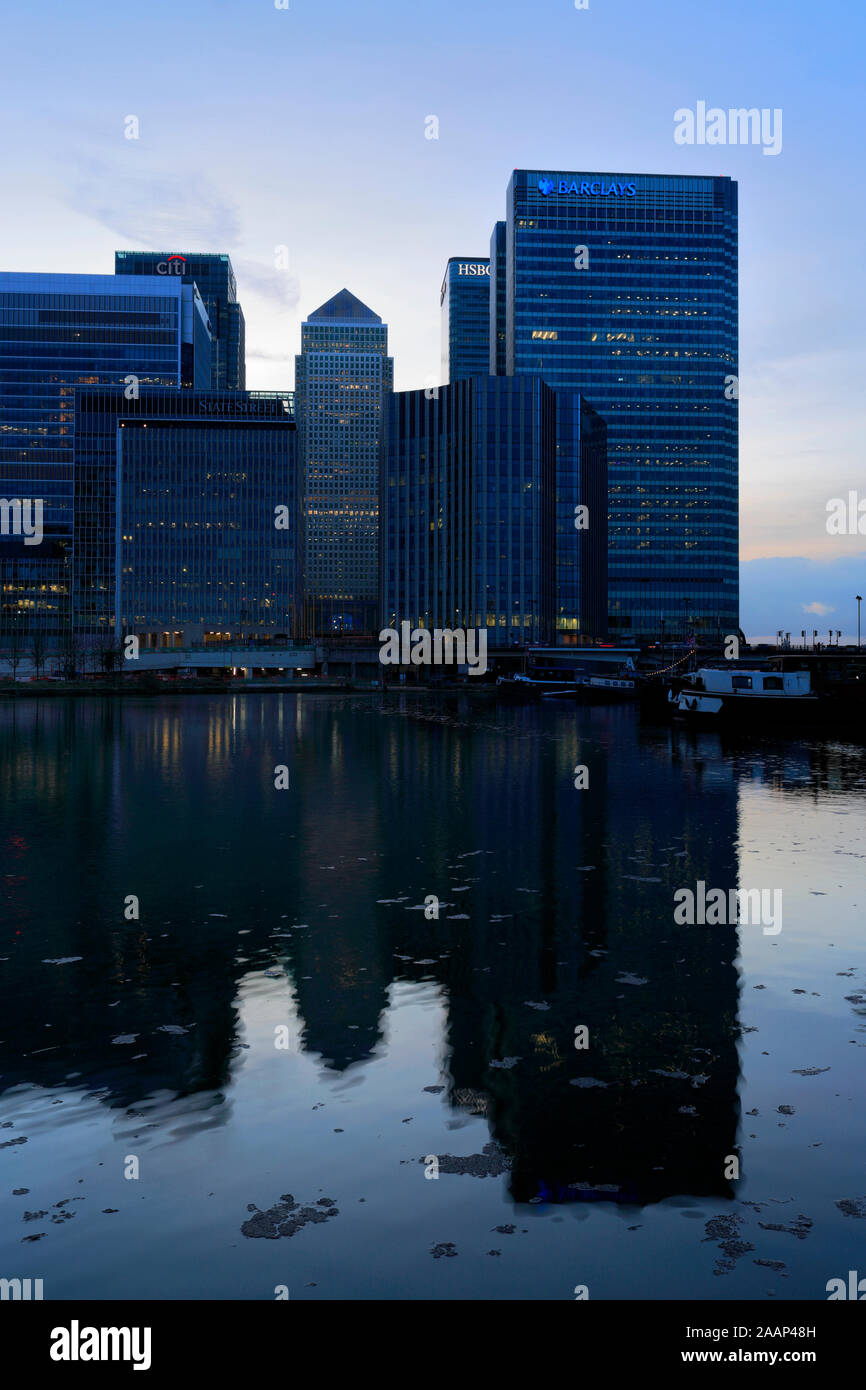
20,1290
175,265
856,1289
76,1343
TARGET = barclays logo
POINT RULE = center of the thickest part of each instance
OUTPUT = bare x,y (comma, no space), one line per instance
595,188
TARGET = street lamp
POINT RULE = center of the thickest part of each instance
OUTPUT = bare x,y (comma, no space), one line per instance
859,598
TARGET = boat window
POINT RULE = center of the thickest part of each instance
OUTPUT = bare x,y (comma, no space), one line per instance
741,682
773,683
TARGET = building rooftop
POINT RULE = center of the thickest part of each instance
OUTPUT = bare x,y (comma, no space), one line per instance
343,307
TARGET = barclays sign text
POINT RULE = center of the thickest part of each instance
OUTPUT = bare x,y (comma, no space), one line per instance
596,188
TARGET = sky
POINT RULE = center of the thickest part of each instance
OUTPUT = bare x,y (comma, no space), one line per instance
295,139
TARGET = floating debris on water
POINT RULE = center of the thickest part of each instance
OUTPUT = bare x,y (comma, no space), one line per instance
286,1217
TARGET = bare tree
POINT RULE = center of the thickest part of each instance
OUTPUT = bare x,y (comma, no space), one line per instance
69,654
70,645
16,649
110,655
38,650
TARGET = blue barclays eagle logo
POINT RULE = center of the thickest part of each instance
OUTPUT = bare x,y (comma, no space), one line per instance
545,186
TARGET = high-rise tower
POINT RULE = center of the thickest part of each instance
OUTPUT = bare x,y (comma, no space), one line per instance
624,287
465,306
58,332
342,377
213,274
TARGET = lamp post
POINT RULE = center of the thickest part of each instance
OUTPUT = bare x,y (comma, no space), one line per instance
859,598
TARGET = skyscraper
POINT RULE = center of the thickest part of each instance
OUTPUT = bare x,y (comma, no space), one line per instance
342,377
465,310
624,286
189,545
213,274
497,301
480,486
58,332
580,521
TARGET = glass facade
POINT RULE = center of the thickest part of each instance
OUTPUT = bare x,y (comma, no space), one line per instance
496,347
342,379
624,286
581,555
58,332
215,278
470,510
464,301
184,544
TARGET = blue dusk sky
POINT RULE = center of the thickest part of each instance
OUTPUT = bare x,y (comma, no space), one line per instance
261,128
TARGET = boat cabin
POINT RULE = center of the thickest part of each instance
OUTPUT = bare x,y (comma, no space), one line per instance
733,681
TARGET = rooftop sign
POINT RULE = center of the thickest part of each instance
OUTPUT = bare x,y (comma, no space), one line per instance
593,188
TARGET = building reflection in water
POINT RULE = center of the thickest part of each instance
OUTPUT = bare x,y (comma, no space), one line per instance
557,909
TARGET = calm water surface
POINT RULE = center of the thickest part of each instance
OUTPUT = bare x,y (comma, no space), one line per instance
283,1018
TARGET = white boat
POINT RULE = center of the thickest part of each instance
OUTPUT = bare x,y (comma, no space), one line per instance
719,694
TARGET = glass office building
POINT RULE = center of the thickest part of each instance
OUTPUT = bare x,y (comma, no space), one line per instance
186,547
581,522
215,278
343,376
496,350
56,333
464,301
624,286
479,488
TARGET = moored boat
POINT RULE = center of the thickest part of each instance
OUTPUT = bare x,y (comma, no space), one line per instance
529,687
601,688
720,695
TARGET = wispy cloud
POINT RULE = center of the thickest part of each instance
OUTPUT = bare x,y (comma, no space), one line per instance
263,355
156,210
276,285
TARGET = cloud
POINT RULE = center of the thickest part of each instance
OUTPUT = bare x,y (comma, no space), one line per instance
777,592
819,608
278,286
263,355
157,211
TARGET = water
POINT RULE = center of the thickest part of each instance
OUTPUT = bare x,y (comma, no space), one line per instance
276,1020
